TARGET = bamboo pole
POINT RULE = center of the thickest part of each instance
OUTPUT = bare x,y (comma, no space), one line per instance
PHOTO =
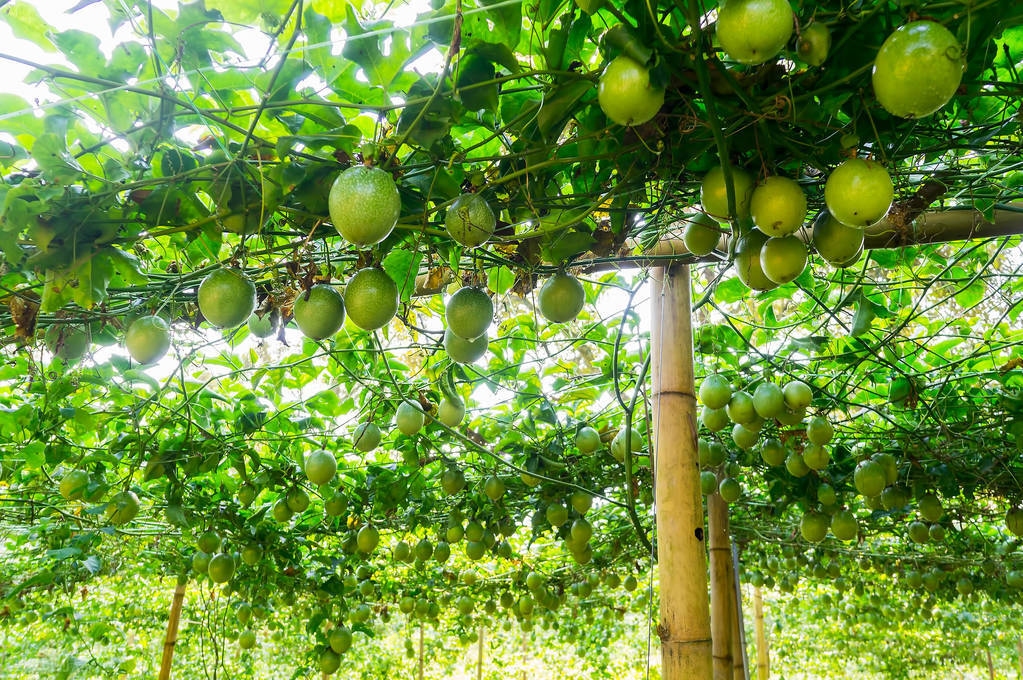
721,598
420,651
740,663
479,654
1019,655
763,658
990,664
171,638
684,628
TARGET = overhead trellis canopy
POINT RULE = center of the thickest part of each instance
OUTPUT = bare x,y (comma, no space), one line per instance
206,139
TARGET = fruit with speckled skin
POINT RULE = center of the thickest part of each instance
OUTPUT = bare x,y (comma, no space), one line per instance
625,93
753,31
918,69
364,205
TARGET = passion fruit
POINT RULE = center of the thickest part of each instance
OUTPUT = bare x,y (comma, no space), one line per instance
451,411
814,44
364,205
226,298
715,391
122,508
264,326
409,417
320,311
747,261
839,244
783,258
469,312
465,351
371,299
859,192
625,93
561,298
714,194
147,339
918,69
587,440
68,342
778,206
702,234
753,31
470,220
320,467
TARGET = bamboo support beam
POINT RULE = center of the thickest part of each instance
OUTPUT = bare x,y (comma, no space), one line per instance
479,654
763,654
684,627
420,651
171,638
721,598
740,662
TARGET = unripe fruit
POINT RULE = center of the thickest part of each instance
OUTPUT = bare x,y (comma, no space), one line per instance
226,298
714,192
859,192
625,92
147,339
364,205
561,298
470,220
778,206
320,311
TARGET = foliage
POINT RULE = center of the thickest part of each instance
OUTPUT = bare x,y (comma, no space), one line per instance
145,165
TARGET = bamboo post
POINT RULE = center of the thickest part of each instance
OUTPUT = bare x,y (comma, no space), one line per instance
1019,655
420,651
763,658
990,664
721,597
171,638
479,654
684,627
740,663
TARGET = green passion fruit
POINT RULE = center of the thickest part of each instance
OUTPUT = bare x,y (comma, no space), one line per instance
814,44
68,342
465,351
371,299
715,391
469,312
221,568
840,244
587,440
320,311
768,400
364,205
561,298
625,93
814,526
740,408
859,192
451,412
73,484
869,478
147,339
753,31
844,525
320,467
918,69
226,298
366,437
747,261
783,258
797,395
714,193
409,417
714,419
1014,521
266,325
778,206
122,508
702,234
470,220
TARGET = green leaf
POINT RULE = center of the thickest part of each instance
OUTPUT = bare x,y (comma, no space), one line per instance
26,24
403,267
51,153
